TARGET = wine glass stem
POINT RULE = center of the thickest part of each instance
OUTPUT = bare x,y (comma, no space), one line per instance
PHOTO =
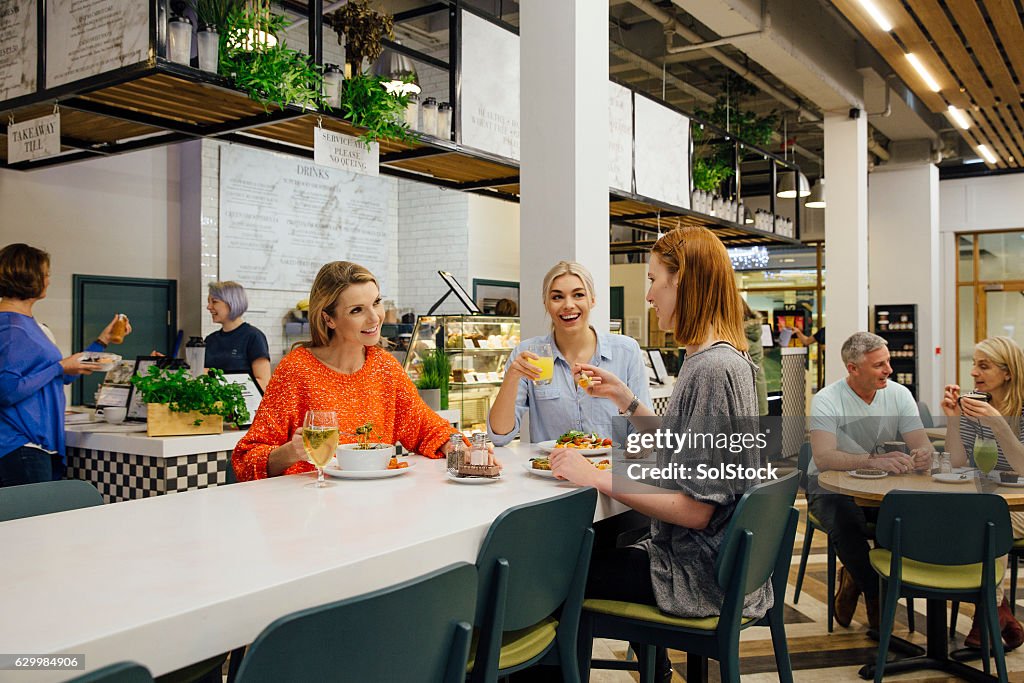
320,477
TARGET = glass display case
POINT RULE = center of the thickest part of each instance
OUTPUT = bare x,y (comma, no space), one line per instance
478,346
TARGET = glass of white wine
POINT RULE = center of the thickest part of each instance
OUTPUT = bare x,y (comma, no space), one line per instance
320,439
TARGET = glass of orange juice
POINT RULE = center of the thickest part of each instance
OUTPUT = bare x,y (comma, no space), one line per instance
545,362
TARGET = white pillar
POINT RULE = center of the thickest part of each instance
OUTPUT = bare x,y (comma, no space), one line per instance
564,149
846,236
903,264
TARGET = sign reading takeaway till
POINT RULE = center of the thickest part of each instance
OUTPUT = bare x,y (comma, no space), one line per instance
33,139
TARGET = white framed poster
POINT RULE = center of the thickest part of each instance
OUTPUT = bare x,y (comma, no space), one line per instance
620,137
282,218
662,152
489,115
19,54
89,37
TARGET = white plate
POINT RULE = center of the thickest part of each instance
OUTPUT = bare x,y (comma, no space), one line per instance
472,480
857,475
953,478
548,474
548,446
338,473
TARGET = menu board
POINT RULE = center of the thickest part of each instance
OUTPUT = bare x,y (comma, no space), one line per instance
662,153
489,116
18,48
620,137
282,218
89,37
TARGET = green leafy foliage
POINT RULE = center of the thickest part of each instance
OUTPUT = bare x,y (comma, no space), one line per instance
713,159
209,394
215,12
270,73
434,373
366,102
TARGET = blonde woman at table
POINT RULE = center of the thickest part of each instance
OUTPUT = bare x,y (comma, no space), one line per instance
560,406
998,370
693,292
344,369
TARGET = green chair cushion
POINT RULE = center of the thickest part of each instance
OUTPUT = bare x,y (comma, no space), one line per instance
948,577
633,610
520,646
814,519
1018,543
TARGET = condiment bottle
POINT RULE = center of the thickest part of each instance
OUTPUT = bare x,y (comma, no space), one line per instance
412,111
478,455
429,124
195,355
179,40
119,329
444,121
457,453
332,85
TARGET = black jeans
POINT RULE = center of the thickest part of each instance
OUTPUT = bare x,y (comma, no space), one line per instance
846,524
27,465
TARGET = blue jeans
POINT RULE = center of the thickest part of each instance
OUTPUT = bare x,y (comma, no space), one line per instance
27,465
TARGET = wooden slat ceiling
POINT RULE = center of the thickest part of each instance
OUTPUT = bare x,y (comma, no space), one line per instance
974,49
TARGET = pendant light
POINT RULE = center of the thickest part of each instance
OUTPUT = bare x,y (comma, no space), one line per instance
792,183
817,198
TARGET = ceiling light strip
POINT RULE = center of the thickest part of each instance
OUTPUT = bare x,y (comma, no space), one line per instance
880,19
987,154
959,117
1001,142
928,79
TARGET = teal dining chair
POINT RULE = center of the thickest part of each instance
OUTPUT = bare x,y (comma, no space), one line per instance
47,497
122,672
418,630
914,558
757,547
533,569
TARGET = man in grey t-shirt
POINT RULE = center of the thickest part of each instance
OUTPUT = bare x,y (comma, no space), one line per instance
850,419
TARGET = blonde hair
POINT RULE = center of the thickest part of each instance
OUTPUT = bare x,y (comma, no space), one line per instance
706,296
333,279
567,268
1006,354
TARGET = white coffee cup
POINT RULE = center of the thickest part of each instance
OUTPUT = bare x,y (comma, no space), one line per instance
113,415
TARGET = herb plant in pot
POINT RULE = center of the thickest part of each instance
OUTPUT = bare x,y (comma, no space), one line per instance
435,370
366,453
179,404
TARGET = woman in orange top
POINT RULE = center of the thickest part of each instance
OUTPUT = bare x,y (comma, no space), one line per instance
342,369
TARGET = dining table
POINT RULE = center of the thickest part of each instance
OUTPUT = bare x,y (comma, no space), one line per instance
869,492
172,580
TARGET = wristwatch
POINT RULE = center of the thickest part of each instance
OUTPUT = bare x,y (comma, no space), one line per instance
628,412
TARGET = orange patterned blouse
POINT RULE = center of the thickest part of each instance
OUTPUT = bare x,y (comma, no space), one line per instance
380,392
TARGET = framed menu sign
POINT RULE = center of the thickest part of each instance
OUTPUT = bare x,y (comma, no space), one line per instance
18,48
89,37
489,116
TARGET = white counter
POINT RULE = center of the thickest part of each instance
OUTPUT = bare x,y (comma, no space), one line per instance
171,580
137,443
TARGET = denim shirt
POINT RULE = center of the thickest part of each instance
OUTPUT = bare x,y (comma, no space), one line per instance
561,406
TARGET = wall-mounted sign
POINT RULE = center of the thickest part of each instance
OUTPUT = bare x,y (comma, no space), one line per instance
662,152
489,116
620,137
89,37
18,48
282,218
33,139
344,152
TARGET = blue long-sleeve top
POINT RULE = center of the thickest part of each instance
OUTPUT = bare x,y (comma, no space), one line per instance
31,386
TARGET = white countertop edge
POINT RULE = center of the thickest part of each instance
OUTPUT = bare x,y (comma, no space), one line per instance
137,443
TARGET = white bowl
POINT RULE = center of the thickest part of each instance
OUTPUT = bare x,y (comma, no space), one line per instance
352,458
105,361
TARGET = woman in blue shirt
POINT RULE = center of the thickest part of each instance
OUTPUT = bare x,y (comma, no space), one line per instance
32,372
562,406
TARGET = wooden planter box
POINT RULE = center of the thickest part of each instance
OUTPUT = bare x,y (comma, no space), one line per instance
161,421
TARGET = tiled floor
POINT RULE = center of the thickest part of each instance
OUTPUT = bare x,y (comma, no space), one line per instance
816,655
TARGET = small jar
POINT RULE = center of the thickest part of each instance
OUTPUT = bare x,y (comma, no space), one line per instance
412,111
457,453
179,40
429,123
444,121
332,85
478,454
208,44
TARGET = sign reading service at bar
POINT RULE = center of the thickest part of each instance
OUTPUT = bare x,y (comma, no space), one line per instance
34,139
344,152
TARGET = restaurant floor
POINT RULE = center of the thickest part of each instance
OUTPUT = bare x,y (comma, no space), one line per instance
816,655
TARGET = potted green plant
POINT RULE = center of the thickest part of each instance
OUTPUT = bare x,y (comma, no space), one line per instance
360,29
254,55
178,403
435,370
378,105
366,453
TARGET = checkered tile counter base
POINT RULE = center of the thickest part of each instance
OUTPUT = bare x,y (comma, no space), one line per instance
124,476
659,405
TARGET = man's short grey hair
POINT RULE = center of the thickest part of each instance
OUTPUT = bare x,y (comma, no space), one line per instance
859,345
233,294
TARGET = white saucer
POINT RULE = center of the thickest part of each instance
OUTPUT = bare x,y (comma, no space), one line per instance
547,474
953,478
472,480
1019,484
857,475
548,446
338,473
